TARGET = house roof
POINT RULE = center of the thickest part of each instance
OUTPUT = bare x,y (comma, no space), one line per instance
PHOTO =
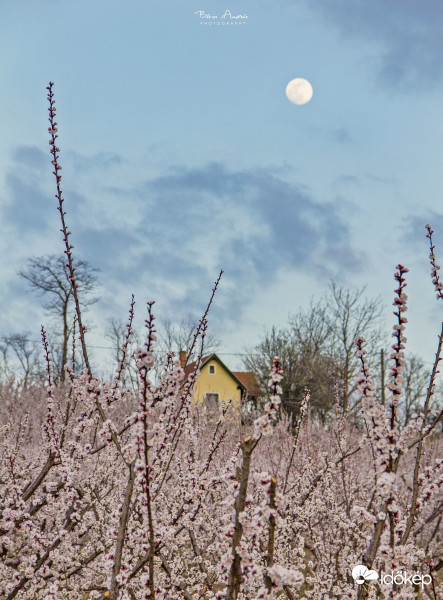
250,382
190,367
245,380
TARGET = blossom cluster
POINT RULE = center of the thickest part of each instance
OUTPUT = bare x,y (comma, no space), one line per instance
263,424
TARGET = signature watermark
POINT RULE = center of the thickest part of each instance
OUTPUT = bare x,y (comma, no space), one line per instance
226,18
361,574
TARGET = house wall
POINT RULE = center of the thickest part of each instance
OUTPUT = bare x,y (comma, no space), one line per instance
220,382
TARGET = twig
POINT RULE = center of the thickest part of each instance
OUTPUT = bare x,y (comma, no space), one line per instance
271,533
303,410
413,509
235,578
122,531
204,317
66,233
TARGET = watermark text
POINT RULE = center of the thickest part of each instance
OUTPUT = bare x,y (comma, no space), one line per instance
228,17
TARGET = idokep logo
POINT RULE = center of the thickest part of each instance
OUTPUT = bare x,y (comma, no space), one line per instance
360,573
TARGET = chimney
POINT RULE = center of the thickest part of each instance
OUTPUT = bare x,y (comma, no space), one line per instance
182,357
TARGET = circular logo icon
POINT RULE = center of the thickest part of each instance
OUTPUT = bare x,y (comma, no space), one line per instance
360,573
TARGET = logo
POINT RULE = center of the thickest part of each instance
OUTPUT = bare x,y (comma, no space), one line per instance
227,18
360,573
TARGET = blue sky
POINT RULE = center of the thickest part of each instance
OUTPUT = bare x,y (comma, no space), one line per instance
181,155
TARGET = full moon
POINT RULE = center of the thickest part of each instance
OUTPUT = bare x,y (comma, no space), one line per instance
299,91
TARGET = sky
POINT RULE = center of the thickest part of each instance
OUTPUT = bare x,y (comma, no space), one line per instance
182,156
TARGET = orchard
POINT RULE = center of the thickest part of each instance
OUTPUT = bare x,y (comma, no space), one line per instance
108,493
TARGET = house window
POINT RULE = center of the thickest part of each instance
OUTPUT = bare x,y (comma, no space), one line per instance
211,369
211,402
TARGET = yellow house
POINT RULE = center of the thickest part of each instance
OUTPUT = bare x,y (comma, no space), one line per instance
216,383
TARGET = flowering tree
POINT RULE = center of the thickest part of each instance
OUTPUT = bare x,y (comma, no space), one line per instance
130,496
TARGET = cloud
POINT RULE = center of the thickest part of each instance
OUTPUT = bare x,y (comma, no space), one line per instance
414,231
101,160
384,181
31,157
29,208
409,36
341,135
346,180
252,223
269,219
166,238
26,207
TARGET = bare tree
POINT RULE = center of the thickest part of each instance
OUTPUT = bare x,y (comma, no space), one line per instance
176,336
351,314
26,354
49,276
276,342
304,366
311,330
172,337
317,350
5,368
416,377
116,332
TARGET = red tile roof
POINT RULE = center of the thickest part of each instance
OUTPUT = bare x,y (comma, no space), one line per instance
190,368
248,379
